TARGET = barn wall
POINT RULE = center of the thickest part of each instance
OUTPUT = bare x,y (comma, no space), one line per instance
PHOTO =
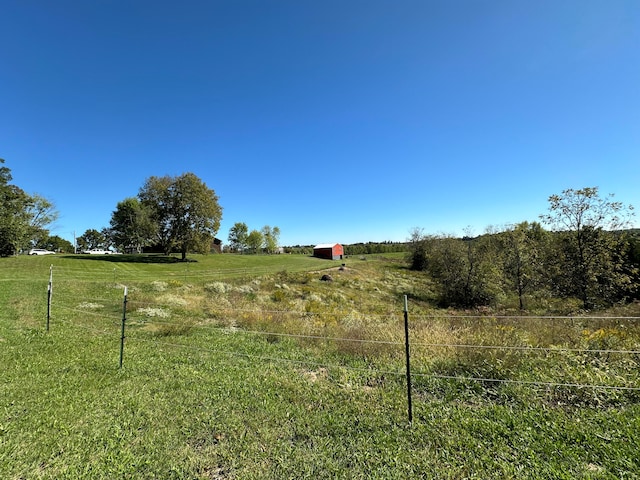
334,253
323,253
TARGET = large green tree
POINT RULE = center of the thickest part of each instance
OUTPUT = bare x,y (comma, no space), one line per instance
132,227
271,238
56,244
24,218
238,235
13,215
255,240
590,247
41,213
185,211
91,239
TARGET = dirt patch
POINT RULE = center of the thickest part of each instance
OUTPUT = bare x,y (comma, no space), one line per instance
337,270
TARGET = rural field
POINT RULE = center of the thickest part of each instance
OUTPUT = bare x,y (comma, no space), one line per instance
252,367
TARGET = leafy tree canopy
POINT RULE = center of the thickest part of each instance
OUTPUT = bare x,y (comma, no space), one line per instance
24,218
270,238
91,239
186,213
589,260
255,241
132,227
56,244
238,235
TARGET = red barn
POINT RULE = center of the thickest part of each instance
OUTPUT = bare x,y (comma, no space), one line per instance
330,251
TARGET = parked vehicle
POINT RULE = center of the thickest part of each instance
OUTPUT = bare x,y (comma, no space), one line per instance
40,251
100,251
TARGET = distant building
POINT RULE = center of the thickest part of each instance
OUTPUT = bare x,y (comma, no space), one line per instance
330,251
216,246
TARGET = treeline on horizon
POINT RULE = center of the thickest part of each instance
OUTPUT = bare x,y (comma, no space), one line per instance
352,249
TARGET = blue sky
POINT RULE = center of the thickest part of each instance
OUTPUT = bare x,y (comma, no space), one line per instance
337,121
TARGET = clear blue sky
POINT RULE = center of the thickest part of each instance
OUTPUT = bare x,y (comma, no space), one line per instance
337,121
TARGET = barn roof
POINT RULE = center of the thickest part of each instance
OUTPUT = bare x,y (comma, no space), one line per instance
325,245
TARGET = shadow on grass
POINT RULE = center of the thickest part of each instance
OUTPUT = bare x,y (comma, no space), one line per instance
140,258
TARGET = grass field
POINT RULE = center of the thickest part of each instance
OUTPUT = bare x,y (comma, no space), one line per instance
251,367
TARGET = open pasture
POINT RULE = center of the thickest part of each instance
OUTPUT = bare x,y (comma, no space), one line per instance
252,367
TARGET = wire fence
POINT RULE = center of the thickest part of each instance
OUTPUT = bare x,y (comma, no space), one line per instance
137,314
597,352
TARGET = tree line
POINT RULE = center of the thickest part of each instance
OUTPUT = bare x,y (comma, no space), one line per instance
241,240
175,214
169,214
24,218
370,248
361,248
588,254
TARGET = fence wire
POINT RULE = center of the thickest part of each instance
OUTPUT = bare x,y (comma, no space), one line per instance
417,321
387,372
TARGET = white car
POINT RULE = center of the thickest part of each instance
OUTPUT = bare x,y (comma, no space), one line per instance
40,251
97,251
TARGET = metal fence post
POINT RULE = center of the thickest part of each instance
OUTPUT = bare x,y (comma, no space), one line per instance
124,319
406,345
49,293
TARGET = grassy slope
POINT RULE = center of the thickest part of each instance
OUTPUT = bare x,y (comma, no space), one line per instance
211,401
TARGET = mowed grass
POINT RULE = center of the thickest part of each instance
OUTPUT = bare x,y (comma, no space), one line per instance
214,386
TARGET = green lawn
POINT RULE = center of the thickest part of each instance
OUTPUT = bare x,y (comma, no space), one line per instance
214,388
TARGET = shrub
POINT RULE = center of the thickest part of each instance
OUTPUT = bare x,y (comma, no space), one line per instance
217,287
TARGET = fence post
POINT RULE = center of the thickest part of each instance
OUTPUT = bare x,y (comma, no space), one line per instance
49,293
406,345
124,319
